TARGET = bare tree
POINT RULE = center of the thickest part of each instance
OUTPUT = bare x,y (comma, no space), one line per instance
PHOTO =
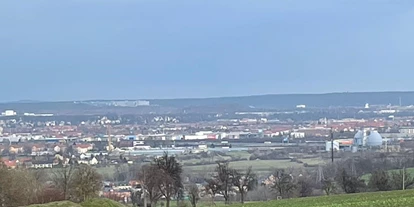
224,179
349,183
283,184
212,188
86,183
17,187
170,179
63,180
328,186
194,194
244,182
380,180
148,177
305,186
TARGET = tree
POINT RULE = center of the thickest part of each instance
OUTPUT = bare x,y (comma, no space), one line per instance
349,183
283,184
304,186
63,180
17,187
170,179
86,183
224,180
328,186
212,188
121,172
379,180
194,195
136,197
244,182
400,178
148,177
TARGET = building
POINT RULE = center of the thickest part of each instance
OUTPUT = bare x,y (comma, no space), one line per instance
83,148
340,144
407,130
297,134
41,164
9,113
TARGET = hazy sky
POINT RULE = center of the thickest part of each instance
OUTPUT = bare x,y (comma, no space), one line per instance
107,49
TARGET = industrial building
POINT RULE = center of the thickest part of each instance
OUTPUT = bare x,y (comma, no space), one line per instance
363,139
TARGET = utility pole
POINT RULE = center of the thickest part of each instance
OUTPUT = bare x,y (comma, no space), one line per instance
332,146
403,182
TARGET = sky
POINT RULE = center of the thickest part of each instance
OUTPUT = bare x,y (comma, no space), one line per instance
143,49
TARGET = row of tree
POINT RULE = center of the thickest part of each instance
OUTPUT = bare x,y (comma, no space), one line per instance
163,178
20,187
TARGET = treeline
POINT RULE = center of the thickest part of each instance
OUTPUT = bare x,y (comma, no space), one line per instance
21,187
163,180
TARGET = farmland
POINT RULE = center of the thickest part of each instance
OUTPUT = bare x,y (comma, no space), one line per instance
377,199
410,171
257,165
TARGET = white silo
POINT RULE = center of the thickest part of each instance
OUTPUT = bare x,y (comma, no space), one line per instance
358,138
374,139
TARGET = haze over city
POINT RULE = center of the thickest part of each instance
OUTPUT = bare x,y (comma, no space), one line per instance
79,50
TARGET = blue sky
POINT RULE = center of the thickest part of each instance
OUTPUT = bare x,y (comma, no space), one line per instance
115,49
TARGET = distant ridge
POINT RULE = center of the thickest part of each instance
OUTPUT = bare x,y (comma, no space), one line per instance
273,101
346,99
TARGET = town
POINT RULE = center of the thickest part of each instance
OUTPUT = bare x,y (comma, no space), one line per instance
117,148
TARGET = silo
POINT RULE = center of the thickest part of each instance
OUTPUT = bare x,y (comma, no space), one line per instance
358,138
374,139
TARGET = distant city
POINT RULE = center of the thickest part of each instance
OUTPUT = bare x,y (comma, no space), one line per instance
97,133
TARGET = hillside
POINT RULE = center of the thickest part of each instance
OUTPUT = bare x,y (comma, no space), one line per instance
377,199
291,100
277,101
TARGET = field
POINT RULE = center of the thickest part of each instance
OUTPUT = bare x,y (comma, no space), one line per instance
257,165
377,199
410,171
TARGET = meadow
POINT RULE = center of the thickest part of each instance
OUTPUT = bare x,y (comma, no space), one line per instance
376,199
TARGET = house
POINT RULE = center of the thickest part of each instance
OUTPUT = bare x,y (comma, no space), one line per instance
38,148
41,164
83,148
11,164
15,149
93,161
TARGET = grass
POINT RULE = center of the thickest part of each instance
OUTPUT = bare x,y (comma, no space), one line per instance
257,165
57,204
377,199
410,171
89,203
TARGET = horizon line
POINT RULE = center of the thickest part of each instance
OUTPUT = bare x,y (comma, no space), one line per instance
28,101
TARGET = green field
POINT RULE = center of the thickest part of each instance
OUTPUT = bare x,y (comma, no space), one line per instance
257,165
410,171
377,199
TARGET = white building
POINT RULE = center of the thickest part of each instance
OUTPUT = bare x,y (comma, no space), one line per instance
297,134
9,113
301,106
